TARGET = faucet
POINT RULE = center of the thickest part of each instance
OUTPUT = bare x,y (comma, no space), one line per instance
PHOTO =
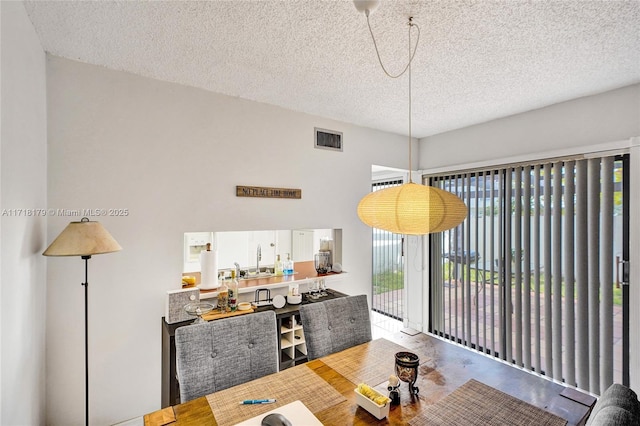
258,258
237,269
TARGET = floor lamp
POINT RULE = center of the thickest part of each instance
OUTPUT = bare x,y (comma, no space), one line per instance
84,239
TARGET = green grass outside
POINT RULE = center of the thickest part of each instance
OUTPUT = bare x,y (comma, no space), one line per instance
388,281
617,292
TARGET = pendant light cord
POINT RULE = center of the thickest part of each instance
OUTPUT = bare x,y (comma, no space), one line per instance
409,66
412,53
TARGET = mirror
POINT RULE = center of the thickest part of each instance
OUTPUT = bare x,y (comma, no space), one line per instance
242,246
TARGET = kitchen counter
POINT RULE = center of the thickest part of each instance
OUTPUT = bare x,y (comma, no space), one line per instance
304,272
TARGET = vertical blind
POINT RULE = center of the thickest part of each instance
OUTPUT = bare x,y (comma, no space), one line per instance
529,276
388,270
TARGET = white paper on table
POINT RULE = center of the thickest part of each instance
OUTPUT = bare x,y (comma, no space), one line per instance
296,412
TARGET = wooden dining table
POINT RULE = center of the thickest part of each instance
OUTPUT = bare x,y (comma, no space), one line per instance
455,386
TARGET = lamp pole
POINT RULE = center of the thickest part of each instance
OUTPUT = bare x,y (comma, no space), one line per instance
86,338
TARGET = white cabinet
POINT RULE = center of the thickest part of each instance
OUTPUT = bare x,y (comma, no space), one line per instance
302,245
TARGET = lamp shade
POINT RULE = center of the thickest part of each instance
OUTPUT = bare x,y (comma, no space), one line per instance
83,238
412,209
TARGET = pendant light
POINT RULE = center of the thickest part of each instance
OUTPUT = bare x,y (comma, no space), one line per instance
409,208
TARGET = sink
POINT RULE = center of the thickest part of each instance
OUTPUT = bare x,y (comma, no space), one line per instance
254,276
265,272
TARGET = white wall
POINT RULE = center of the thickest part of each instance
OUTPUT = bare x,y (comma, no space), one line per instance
172,155
584,125
23,164
592,120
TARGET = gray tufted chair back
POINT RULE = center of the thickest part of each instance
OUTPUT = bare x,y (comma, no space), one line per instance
336,324
225,352
617,406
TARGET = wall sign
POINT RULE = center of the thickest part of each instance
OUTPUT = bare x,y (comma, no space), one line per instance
264,192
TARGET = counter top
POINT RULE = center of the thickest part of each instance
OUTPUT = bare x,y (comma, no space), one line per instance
304,271
286,310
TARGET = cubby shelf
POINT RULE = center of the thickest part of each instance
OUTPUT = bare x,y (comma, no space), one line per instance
293,348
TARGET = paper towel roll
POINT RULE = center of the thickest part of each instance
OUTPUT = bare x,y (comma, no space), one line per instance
208,270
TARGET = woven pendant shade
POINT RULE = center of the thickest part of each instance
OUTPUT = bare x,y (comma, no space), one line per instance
412,209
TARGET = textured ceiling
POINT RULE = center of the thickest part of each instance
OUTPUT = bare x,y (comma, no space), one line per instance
476,60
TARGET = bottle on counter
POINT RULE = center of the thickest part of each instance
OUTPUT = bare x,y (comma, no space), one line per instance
233,291
278,268
288,265
223,296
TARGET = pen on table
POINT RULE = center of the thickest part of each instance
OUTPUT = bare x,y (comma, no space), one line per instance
257,401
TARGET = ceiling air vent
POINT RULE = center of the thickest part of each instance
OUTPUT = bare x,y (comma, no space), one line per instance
328,139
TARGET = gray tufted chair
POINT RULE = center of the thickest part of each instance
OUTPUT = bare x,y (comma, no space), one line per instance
617,406
225,352
336,324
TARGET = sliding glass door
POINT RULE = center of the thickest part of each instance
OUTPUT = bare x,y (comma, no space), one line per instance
388,266
534,275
